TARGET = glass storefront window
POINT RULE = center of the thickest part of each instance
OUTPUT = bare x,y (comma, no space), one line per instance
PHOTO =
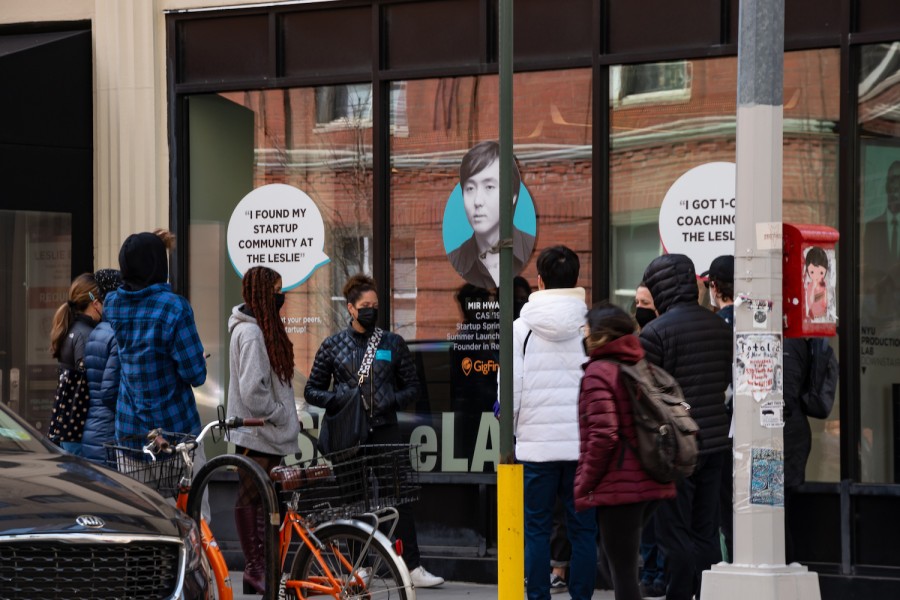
318,140
668,118
879,189
445,306
35,273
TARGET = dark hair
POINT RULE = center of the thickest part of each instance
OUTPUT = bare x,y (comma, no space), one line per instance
558,267
607,322
259,296
358,285
726,288
816,256
82,292
479,157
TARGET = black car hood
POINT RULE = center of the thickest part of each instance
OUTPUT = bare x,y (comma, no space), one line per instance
45,494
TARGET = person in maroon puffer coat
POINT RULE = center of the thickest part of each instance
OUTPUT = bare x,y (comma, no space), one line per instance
609,475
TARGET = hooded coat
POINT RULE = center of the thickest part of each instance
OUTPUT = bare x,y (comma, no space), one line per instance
255,391
692,344
547,374
609,472
159,348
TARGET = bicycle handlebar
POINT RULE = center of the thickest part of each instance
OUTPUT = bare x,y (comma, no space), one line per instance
158,444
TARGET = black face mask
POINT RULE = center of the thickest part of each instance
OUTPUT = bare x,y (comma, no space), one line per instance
587,350
644,315
279,301
367,317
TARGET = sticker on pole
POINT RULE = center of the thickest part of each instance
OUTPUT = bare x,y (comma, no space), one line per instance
697,214
280,227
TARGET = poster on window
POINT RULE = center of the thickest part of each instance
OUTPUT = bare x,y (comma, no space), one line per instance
471,228
280,227
758,369
880,272
696,217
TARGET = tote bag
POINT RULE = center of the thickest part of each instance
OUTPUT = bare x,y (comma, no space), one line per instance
70,406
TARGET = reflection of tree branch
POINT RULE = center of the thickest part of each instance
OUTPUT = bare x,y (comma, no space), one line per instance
349,233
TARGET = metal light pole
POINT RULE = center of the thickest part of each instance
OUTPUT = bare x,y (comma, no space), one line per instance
758,571
510,490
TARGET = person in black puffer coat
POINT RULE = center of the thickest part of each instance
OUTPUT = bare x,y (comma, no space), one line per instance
695,347
391,384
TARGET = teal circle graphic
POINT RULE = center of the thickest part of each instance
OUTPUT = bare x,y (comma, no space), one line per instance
456,225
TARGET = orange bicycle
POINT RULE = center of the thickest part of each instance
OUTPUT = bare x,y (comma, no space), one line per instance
338,505
165,461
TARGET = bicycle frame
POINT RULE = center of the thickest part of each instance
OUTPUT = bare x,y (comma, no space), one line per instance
211,548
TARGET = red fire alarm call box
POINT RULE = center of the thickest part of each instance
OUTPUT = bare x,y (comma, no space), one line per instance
809,280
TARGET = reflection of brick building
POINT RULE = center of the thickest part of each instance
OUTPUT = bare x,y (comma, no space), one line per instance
656,138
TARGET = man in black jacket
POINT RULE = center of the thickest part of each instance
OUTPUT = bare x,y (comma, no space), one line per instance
694,346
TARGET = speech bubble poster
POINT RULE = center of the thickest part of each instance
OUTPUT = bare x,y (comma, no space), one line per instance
697,214
280,227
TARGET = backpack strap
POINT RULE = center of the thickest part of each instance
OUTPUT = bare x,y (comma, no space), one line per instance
629,387
525,343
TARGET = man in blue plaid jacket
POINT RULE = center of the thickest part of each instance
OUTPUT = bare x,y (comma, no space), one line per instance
159,349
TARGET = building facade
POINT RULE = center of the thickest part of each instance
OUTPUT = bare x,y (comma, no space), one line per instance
127,115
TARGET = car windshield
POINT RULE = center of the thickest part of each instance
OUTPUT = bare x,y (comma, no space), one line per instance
16,437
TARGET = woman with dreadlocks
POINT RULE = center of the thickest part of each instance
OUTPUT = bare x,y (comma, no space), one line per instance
262,366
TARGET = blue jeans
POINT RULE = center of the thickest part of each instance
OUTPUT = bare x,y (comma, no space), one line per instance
71,447
654,570
544,481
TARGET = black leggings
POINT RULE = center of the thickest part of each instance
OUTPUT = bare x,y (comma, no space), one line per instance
620,534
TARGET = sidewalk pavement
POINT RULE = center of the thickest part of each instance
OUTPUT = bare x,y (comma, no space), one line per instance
450,589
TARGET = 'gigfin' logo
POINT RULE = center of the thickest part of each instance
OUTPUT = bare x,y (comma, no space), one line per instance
467,366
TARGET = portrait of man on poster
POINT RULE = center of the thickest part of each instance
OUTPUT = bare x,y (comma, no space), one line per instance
881,250
477,259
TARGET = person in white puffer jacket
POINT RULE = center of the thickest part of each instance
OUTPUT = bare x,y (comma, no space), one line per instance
548,354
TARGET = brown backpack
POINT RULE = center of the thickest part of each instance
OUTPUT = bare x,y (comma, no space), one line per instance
666,434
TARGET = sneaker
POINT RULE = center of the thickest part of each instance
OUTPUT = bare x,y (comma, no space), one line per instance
423,579
557,584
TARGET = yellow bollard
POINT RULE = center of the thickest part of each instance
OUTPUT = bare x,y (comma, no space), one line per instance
510,532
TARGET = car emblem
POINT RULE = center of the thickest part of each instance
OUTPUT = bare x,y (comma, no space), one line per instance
90,521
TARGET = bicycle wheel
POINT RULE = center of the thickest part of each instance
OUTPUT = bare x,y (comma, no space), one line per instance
380,570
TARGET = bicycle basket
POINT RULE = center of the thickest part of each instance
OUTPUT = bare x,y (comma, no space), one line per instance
127,456
372,478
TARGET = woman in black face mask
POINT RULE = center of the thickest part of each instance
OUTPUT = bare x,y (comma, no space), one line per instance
644,310
366,364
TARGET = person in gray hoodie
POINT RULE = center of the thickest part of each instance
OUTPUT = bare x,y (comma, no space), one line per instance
261,359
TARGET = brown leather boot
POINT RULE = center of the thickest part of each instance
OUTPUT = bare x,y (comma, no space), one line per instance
247,520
